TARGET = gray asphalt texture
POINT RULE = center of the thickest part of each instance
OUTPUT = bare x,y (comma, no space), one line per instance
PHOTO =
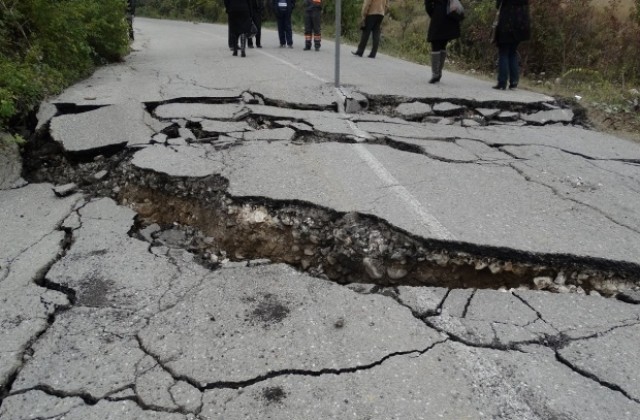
98,323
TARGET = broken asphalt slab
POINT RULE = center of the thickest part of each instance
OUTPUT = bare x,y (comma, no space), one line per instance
31,241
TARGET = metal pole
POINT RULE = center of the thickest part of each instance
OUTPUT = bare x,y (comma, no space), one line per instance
338,30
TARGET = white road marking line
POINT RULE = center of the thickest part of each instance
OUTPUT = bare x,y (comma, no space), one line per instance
276,58
427,219
293,66
436,228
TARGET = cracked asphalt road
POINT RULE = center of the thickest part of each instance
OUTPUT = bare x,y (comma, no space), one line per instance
194,238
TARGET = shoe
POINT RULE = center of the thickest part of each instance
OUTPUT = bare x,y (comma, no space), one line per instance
243,54
356,53
306,48
499,87
291,46
371,56
317,49
281,45
235,53
513,86
435,79
258,46
250,46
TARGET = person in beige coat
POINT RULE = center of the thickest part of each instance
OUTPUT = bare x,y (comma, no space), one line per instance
373,12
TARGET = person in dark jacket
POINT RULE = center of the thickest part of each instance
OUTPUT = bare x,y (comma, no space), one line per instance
283,10
239,15
514,26
258,8
442,29
312,19
131,12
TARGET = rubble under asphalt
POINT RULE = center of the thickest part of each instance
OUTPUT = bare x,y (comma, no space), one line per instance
197,214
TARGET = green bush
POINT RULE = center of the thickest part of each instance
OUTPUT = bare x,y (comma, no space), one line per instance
46,45
566,38
198,10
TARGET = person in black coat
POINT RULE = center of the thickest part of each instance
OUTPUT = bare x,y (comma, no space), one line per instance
514,26
239,15
130,12
257,7
442,29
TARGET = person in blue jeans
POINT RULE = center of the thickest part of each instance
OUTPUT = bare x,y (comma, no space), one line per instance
283,10
514,27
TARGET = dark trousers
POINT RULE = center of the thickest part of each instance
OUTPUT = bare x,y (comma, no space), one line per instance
257,19
312,28
371,25
439,46
230,35
284,27
508,66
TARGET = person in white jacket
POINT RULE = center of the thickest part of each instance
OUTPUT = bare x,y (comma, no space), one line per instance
373,12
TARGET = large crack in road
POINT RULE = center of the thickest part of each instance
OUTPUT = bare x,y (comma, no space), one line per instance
344,247
224,231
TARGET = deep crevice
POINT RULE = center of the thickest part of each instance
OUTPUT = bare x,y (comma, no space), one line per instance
315,239
428,262
325,242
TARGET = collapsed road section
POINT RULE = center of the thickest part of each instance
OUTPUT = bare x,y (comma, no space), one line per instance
224,178
232,257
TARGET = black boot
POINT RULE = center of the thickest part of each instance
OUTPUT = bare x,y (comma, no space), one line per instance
243,44
436,71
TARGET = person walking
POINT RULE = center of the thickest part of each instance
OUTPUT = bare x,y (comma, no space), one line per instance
373,12
514,26
239,12
257,9
283,10
312,20
442,29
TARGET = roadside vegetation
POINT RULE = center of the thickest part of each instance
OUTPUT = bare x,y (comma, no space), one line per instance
47,45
